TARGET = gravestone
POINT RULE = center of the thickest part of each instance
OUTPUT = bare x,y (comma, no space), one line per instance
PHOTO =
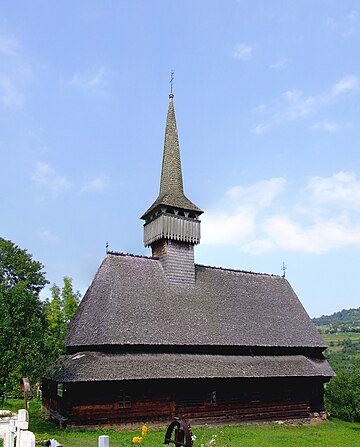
103,441
27,439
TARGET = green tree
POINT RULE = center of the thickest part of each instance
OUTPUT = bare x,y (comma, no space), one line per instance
60,308
342,395
22,317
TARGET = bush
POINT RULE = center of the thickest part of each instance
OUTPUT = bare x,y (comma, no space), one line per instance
342,396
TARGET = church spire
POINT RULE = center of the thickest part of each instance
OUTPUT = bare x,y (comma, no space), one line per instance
171,183
172,225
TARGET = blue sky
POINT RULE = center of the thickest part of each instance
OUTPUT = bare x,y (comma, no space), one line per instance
268,112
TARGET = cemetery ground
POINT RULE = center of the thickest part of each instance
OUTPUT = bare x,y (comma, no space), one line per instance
333,433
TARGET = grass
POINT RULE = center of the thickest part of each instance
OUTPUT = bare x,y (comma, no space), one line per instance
341,336
334,433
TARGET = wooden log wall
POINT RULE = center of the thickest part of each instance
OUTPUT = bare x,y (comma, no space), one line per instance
194,400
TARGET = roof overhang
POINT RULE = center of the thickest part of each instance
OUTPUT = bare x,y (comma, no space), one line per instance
96,366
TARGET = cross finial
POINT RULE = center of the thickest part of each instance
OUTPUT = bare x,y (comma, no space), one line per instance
107,247
283,268
171,80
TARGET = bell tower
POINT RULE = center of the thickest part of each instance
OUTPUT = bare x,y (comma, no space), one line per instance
172,225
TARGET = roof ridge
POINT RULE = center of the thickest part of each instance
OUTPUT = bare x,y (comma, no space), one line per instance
131,255
236,270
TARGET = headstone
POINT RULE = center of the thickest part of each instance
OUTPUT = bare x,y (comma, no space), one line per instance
9,438
27,439
22,422
103,441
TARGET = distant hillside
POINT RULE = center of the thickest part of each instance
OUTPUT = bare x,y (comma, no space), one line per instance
341,332
347,320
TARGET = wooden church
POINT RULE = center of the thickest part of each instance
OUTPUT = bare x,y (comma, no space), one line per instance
160,336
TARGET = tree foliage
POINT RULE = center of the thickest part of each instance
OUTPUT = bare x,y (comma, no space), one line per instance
22,317
60,308
32,332
342,395
346,320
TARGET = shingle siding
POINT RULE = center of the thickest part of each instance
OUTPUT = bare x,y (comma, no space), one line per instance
177,260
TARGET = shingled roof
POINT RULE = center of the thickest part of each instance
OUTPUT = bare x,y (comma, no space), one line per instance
131,303
171,183
98,366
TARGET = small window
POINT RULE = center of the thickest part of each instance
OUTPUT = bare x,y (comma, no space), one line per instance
124,400
60,389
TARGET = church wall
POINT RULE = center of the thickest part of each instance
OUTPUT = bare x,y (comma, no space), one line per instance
195,400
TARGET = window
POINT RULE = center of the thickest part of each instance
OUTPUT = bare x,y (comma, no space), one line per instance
124,400
60,389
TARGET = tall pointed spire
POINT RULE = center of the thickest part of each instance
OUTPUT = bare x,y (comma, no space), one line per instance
171,183
171,175
172,225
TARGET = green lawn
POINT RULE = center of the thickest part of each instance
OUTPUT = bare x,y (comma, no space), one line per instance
333,433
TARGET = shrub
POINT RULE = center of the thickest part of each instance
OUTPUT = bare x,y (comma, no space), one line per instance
342,395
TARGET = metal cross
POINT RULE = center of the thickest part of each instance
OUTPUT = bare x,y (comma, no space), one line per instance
171,80
283,268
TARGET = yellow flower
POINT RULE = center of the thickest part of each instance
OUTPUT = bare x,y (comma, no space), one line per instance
144,430
137,440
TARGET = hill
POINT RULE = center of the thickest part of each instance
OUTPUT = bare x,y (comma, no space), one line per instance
347,320
341,332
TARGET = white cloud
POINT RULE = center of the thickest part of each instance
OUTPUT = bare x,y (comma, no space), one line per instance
227,228
323,216
297,105
260,128
293,105
342,189
94,80
262,193
347,83
352,23
347,25
97,184
242,51
280,64
236,218
46,177
284,233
